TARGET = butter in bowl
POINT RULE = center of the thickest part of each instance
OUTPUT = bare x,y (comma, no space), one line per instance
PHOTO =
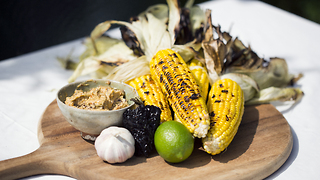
93,105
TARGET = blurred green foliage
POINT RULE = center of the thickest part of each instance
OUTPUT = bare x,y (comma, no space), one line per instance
309,9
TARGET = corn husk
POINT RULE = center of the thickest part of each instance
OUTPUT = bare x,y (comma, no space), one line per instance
212,49
125,72
263,81
151,33
99,65
101,44
151,30
266,73
197,20
190,32
271,94
160,11
158,27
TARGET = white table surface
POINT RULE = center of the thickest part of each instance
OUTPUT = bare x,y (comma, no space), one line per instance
29,83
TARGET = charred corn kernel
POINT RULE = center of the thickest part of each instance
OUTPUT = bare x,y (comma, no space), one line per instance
170,71
225,106
199,72
151,94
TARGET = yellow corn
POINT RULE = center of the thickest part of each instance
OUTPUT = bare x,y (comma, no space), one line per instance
151,94
225,106
199,72
170,71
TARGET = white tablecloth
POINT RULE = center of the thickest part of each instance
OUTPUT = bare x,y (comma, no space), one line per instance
30,82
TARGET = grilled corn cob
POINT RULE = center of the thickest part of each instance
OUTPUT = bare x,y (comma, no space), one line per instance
225,106
151,94
170,71
199,72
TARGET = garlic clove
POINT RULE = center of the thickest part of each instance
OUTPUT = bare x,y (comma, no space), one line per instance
115,145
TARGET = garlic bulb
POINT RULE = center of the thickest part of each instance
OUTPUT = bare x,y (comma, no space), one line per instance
115,145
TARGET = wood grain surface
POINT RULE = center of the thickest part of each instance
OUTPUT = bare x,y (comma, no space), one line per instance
261,146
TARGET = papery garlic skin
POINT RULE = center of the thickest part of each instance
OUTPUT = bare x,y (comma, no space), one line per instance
115,145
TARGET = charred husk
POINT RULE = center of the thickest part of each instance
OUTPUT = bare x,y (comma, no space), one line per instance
184,33
131,40
142,122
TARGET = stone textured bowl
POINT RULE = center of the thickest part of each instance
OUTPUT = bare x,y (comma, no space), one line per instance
90,123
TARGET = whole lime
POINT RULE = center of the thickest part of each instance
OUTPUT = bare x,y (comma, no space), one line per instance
173,141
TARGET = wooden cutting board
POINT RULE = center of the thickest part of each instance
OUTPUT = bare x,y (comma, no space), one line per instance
261,146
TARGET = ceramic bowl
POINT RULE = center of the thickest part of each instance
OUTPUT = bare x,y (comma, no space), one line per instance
89,122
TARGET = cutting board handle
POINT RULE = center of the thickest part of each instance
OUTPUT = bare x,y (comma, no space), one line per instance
37,162
22,166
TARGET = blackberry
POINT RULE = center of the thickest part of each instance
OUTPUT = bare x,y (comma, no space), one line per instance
142,122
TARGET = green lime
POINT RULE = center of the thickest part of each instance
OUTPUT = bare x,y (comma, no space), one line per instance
173,141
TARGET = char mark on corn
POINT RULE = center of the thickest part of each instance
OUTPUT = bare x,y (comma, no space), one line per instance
226,106
181,90
151,94
200,74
